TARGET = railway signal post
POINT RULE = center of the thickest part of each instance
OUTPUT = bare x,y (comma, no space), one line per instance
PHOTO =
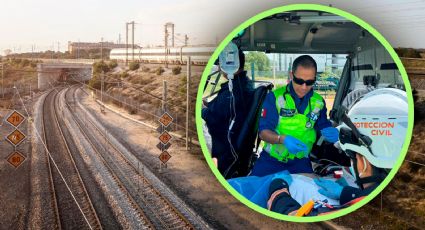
165,120
16,137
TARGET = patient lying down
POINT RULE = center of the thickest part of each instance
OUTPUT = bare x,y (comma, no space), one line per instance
289,193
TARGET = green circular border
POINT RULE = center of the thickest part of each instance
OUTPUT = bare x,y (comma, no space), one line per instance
251,21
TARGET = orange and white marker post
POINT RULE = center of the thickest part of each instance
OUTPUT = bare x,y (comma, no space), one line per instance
15,138
165,120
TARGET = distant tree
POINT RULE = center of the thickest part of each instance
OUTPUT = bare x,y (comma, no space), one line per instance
124,74
100,66
134,66
260,60
16,61
177,70
25,62
328,73
159,71
112,64
94,82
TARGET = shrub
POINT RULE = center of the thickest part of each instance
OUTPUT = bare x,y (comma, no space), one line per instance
94,82
112,64
159,71
134,66
100,66
25,62
16,61
124,74
177,70
145,69
132,111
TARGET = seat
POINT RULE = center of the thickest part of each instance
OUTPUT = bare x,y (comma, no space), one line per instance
246,142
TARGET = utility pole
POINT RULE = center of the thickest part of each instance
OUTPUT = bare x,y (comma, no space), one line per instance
2,77
164,96
126,41
132,39
126,44
101,86
280,61
53,50
171,25
78,49
334,63
172,35
166,45
189,72
101,48
186,38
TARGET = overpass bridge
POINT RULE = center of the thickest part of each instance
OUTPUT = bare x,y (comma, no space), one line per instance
76,61
52,73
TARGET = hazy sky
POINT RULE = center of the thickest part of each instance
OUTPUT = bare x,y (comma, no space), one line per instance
42,23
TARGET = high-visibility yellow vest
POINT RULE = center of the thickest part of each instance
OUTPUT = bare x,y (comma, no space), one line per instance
300,126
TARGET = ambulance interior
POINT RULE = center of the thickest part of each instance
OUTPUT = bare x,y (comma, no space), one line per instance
368,66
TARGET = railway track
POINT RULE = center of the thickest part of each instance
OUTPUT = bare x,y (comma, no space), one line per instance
146,224
161,213
73,207
322,225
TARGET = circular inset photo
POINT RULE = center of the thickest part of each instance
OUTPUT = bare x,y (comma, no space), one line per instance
304,113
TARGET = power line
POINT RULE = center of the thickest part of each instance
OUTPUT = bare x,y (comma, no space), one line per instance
414,162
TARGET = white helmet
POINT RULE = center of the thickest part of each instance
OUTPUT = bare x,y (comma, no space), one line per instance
381,118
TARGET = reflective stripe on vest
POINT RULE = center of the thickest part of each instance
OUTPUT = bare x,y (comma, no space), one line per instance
300,126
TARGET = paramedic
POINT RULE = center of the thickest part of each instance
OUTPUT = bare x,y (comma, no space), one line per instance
290,118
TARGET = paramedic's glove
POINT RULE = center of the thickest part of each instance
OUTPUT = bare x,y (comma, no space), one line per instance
294,145
329,188
331,134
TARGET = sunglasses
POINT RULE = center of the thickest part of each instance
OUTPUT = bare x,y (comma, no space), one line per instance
300,81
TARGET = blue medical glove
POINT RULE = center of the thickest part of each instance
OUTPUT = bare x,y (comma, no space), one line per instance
329,188
341,181
294,145
331,134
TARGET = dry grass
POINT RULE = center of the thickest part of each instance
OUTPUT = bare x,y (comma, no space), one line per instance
21,77
413,63
144,87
